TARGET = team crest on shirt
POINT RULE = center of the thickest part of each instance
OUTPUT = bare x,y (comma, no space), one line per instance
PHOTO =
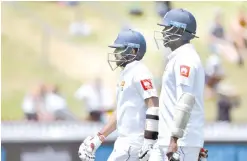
184,70
146,84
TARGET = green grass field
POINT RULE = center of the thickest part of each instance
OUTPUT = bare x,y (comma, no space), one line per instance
22,55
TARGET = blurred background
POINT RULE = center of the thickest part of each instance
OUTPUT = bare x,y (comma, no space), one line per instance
57,87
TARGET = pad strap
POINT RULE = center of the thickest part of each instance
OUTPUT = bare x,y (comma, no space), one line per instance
151,129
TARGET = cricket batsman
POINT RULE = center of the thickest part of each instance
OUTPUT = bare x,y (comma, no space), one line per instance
181,117
136,116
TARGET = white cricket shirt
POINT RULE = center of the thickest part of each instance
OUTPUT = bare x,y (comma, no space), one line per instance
134,86
183,73
54,102
28,105
214,66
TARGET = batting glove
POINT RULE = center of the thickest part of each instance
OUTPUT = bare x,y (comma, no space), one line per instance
175,157
89,146
203,155
144,153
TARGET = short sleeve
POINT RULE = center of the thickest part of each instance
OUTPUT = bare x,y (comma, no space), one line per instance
145,85
185,74
183,89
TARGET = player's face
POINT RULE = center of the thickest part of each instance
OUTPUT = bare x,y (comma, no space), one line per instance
171,35
116,58
118,53
121,57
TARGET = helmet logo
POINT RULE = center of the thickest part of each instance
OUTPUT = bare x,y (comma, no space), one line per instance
177,24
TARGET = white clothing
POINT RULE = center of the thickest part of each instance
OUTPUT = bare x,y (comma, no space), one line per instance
135,85
185,153
214,66
95,99
124,150
54,102
28,105
183,73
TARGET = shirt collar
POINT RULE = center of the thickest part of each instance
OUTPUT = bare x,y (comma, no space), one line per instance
178,51
130,65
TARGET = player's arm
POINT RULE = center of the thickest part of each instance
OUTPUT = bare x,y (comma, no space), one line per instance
152,120
185,79
105,131
91,144
110,126
99,138
146,88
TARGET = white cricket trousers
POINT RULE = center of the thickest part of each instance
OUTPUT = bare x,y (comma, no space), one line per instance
186,153
125,151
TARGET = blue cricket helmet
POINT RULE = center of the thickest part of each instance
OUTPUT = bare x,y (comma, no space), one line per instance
179,24
126,41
